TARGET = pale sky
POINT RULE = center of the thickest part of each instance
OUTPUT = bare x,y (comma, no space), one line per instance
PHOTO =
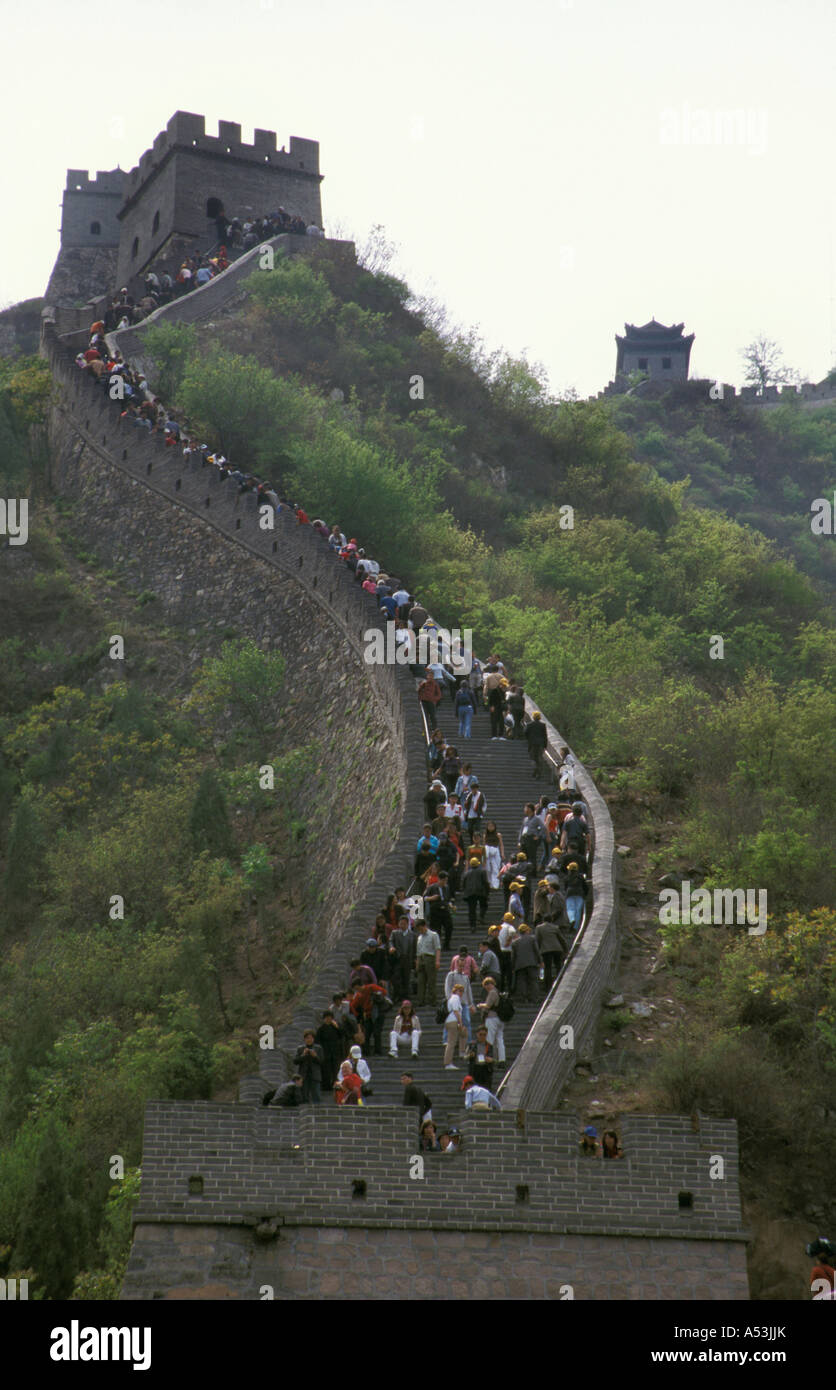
549,168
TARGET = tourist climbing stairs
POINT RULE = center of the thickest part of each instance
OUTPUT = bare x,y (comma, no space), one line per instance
506,778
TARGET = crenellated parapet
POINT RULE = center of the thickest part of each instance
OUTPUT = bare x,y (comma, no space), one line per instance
186,132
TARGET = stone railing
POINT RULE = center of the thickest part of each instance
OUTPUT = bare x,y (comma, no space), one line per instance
808,392
550,1052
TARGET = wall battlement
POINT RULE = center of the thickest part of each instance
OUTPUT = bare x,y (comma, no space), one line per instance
177,189
820,392
103,181
187,131
301,1166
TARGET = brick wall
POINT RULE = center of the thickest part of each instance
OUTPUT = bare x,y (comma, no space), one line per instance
300,1166
186,167
277,1195
207,552
328,1262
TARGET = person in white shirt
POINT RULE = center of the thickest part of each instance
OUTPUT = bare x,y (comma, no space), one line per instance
371,567
456,1031
405,1029
567,771
479,1097
360,1065
457,977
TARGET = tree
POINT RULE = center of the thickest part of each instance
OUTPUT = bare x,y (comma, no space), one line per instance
23,858
378,251
765,366
53,1230
244,680
209,821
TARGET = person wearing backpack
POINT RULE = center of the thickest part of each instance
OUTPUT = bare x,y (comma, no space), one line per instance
493,1023
533,838
576,891
575,832
465,707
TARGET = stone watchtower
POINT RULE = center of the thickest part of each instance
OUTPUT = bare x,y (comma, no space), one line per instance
188,178
660,351
90,209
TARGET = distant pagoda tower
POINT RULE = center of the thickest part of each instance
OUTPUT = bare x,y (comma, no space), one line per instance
662,352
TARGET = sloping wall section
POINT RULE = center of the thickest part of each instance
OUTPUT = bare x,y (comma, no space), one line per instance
195,541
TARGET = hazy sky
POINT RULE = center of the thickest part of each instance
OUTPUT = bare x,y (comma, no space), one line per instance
549,168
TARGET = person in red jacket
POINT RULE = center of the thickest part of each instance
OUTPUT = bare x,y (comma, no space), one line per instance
367,1007
429,693
348,1087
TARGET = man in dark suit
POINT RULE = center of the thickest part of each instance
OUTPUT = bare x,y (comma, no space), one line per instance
437,899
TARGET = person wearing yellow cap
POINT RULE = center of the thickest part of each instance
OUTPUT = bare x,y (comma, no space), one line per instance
507,932
515,903
526,961
475,889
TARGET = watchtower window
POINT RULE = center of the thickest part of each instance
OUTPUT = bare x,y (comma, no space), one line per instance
135,249
155,226
214,207
95,228
666,364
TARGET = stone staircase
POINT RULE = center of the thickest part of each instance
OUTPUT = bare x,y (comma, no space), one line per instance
506,778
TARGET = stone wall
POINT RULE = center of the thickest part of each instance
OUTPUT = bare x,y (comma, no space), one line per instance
276,1189
329,1262
545,1063
87,202
168,190
260,1171
195,543
81,273
210,299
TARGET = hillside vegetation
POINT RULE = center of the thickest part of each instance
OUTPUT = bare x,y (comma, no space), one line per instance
552,530
145,787
566,535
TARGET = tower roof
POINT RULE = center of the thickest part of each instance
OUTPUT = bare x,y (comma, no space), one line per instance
654,337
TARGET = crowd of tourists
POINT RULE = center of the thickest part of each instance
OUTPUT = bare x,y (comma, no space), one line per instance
539,885
235,237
